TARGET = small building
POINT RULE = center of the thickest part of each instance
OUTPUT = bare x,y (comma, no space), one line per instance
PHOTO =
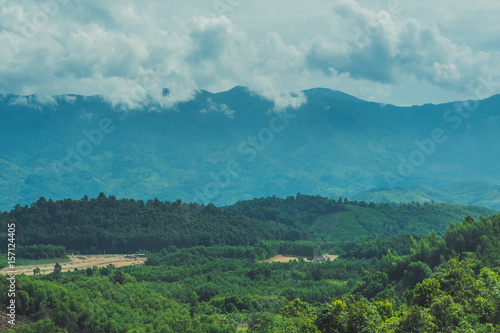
141,255
320,258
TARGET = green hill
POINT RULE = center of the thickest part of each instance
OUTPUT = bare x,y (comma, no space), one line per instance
344,219
125,225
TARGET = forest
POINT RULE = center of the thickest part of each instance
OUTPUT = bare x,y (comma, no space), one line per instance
126,225
390,281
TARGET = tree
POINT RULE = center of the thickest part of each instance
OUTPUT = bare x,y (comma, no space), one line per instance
447,313
119,277
331,317
57,268
301,317
261,322
426,291
416,320
317,274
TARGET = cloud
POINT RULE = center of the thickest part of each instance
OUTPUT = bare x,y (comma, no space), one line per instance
214,107
34,101
383,49
129,51
19,101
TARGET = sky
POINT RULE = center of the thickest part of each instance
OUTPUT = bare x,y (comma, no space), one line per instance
396,51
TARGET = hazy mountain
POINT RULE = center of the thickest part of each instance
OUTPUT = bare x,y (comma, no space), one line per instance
231,146
475,193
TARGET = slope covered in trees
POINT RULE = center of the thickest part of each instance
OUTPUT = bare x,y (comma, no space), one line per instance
345,219
123,226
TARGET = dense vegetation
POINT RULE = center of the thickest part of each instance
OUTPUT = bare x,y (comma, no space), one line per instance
41,251
398,283
125,226
344,219
440,284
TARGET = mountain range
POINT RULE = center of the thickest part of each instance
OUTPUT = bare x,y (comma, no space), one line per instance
235,145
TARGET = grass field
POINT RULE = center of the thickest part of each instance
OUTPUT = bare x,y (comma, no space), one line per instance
26,262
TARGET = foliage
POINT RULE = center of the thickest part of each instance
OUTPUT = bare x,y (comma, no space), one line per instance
448,283
125,226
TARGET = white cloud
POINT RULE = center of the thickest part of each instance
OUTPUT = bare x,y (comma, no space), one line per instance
214,107
69,98
129,51
34,101
19,101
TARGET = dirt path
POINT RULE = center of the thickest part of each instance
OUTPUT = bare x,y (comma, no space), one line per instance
80,262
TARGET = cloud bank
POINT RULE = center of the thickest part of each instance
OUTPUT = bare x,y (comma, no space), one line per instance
128,51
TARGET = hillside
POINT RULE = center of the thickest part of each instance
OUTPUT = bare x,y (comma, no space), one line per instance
344,219
126,225
215,147
464,193
121,226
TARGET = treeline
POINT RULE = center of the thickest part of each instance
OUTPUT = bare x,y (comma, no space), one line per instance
343,219
303,209
124,226
127,225
378,247
40,251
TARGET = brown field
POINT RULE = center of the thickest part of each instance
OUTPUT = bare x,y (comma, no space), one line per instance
118,260
283,258
287,258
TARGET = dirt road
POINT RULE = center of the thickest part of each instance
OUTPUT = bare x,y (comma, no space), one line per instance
80,262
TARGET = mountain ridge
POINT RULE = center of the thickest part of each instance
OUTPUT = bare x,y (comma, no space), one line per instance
233,145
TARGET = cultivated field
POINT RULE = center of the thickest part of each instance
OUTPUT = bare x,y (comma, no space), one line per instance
287,258
80,262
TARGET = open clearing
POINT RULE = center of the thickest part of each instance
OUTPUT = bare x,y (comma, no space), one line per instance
287,258
80,262
282,258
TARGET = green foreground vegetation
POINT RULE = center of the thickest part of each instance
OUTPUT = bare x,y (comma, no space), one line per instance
397,282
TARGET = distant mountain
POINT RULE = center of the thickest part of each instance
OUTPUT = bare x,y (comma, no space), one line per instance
475,193
231,146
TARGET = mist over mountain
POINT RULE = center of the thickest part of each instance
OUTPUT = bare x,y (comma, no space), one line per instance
234,145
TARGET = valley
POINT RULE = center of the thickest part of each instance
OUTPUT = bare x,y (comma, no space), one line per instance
262,265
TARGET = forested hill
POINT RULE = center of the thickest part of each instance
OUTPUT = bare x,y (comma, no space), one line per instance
344,219
117,226
126,225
